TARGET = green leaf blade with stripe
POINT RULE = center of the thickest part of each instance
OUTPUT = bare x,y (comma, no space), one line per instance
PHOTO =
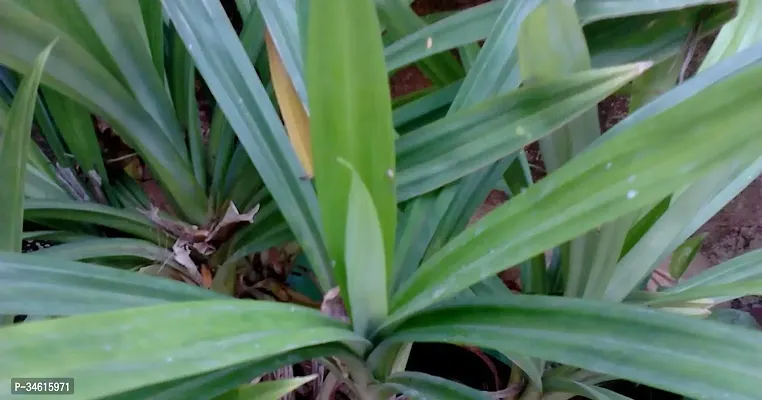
15,143
148,345
697,358
350,118
604,182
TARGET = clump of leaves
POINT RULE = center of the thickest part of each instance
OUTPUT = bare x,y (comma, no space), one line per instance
384,226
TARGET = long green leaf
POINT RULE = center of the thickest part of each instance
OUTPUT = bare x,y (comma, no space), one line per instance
85,77
67,18
416,385
606,245
534,273
424,109
243,99
221,146
416,223
207,385
350,119
656,81
474,24
125,221
609,180
738,34
119,25
717,292
183,88
76,127
460,28
495,68
400,20
37,285
242,183
696,202
657,37
148,345
494,71
471,139
602,337
283,25
582,389
37,185
108,247
55,236
472,193
270,390
594,10
738,269
552,44
154,27
43,120
365,260
14,149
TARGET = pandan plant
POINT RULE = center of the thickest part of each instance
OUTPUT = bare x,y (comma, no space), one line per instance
306,146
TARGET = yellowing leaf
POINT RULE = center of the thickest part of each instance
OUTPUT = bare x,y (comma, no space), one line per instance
297,122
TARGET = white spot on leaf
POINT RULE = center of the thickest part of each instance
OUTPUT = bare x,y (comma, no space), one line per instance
390,173
429,42
632,193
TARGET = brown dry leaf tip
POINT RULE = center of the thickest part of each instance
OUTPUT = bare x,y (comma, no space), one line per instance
231,218
69,180
181,253
96,185
206,276
333,305
274,287
275,259
174,228
204,248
